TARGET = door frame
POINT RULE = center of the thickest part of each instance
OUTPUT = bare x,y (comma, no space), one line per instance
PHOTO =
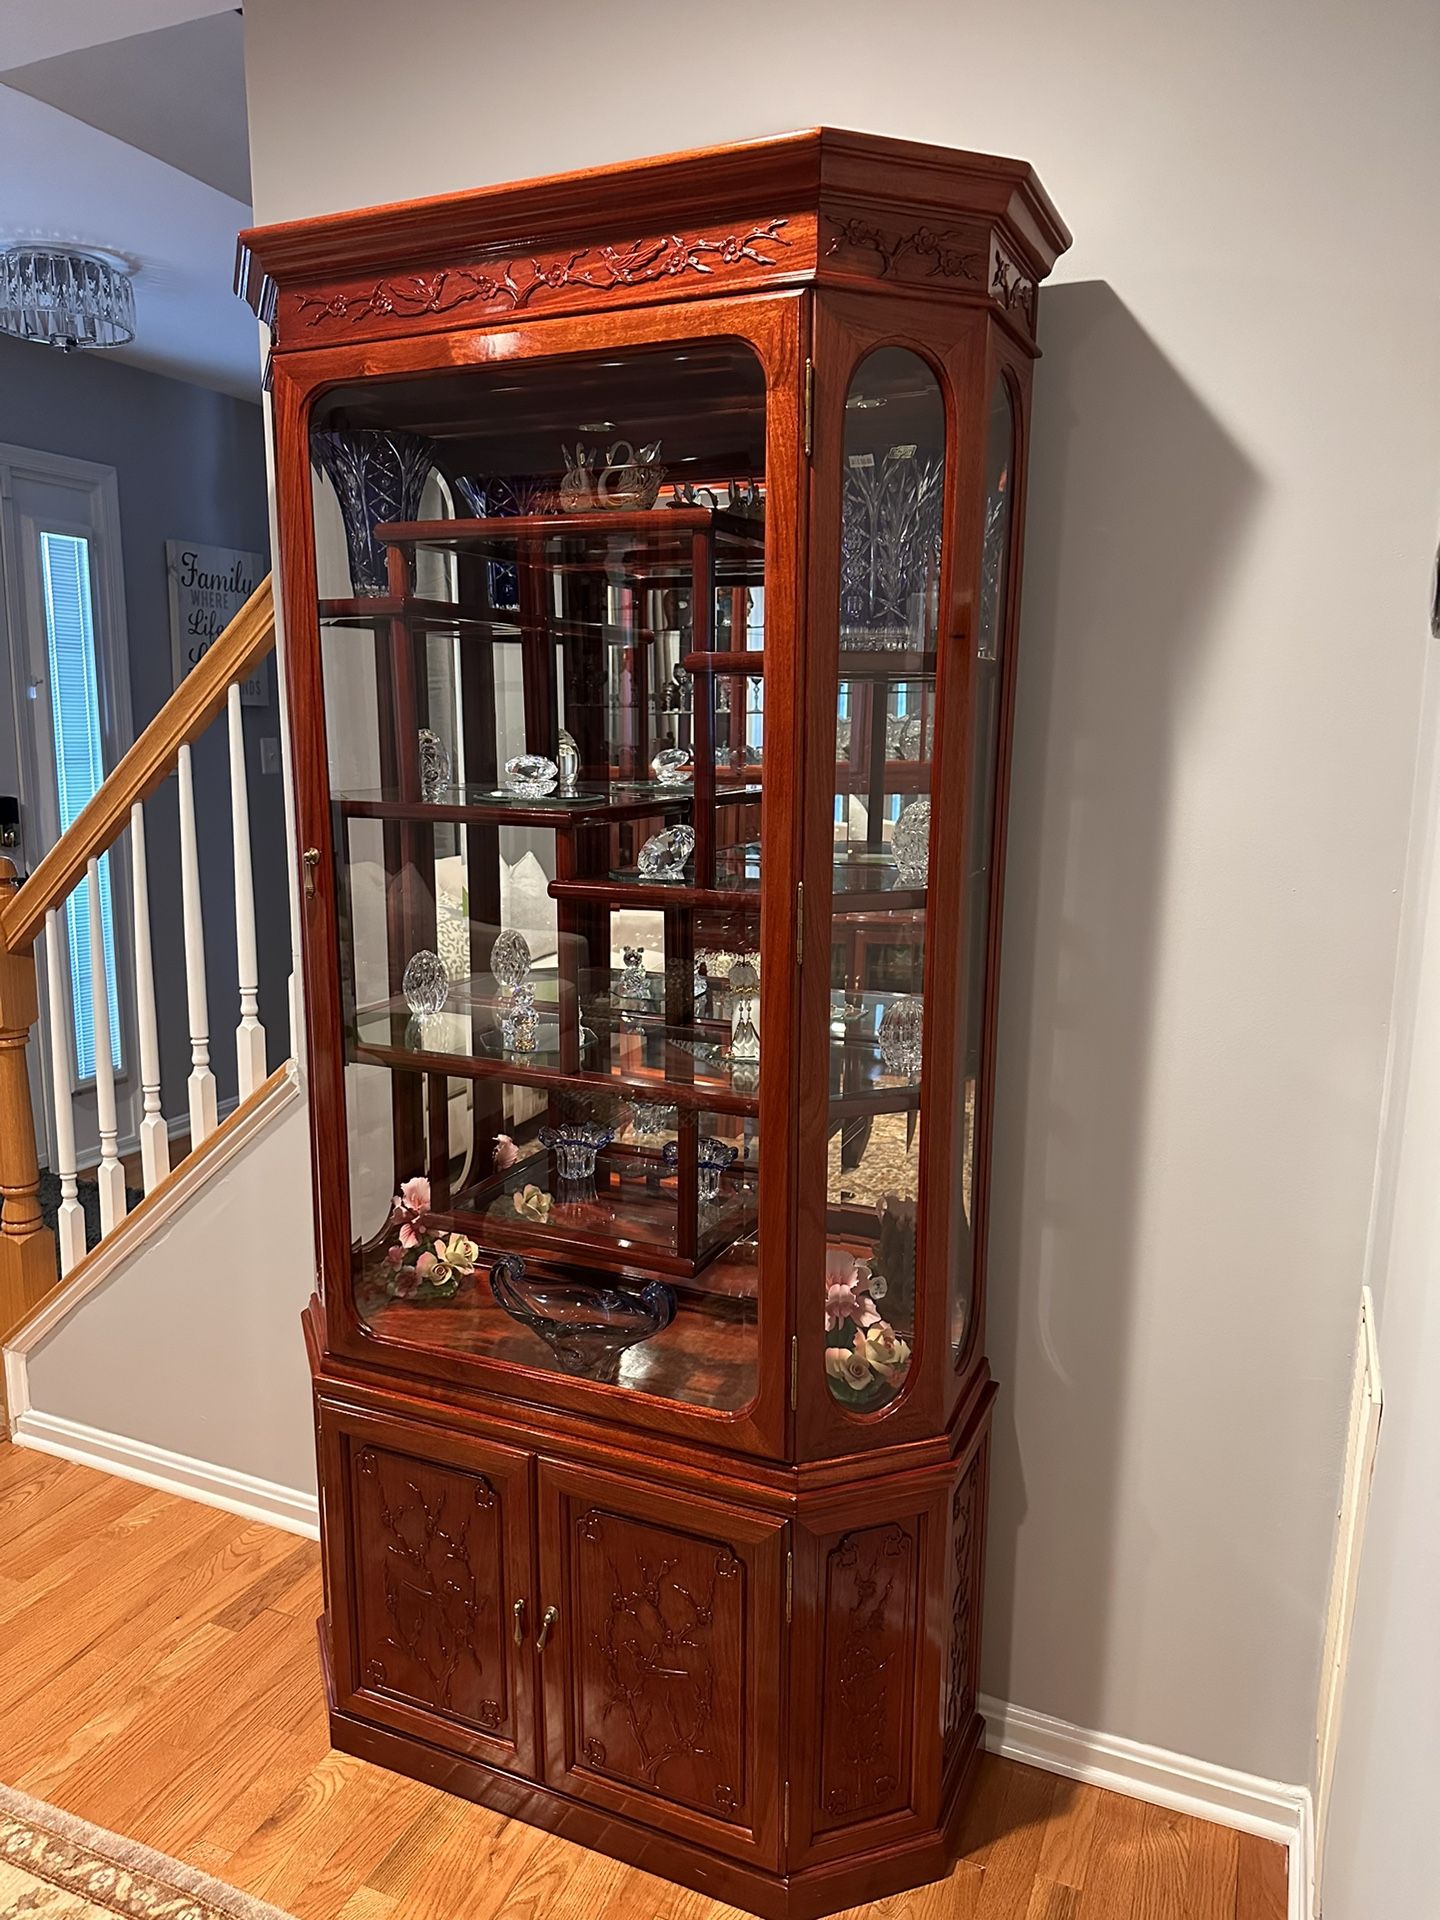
37,808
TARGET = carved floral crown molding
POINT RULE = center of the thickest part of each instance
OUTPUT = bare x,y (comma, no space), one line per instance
510,285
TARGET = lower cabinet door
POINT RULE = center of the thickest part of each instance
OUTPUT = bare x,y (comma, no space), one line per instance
432,1622
662,1664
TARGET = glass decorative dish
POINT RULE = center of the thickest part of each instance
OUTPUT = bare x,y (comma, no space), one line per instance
587,1325
712,1157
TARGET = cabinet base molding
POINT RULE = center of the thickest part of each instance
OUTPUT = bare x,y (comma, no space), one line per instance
808,1895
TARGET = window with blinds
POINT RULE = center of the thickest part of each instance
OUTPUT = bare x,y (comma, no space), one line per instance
79,769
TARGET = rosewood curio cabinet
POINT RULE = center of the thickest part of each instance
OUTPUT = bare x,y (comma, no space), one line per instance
650,543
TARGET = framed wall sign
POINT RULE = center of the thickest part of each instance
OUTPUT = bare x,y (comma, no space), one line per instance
208,587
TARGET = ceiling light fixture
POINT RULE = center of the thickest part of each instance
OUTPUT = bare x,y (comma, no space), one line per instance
66,299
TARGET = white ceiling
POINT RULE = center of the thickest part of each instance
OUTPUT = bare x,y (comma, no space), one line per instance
66,180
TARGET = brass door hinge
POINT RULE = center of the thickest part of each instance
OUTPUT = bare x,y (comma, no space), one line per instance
786,1822
789,1585
809,407
799,923
794,1371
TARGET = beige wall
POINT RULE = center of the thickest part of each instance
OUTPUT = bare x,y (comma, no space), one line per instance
1234,504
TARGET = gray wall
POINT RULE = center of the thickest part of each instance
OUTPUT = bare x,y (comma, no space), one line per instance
190,465
1381,1857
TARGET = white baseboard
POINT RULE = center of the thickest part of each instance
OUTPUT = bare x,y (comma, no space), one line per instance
240,1493
1199,1787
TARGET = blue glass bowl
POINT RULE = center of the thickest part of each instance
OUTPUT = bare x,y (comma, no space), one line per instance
587,1325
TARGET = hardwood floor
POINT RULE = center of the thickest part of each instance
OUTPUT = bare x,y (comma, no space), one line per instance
160,1679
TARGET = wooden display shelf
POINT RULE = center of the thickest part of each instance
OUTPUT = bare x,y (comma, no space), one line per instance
881,663
516,810
731,663
659,1088
587,527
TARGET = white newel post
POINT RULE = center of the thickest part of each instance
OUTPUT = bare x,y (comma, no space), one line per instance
110,1175
201,1085
154,1135
249,1035
70,1224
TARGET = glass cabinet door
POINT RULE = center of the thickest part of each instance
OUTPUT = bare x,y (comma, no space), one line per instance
891,520
542,617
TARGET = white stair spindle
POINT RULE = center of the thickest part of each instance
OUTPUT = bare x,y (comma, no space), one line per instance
249,1035
110,1175
70,1223
201,1085
154,1135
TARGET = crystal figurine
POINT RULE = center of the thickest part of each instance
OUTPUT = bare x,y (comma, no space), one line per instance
531,775
567,761
634,982
664,855
519,1026
674,767
434,762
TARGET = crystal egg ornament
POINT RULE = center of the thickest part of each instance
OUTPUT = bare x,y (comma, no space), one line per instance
910,843
902,1036
424,983
510,959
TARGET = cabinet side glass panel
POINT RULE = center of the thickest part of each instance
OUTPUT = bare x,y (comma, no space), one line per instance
987,667
893,479
538,585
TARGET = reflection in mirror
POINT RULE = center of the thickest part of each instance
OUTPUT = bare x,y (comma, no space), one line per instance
893,480
987,667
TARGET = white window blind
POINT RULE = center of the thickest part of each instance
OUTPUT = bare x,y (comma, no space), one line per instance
79,768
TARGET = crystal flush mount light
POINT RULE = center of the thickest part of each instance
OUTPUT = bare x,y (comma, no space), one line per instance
66,299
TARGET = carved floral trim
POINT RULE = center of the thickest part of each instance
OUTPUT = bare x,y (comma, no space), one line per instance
944,249
1012,288
512,284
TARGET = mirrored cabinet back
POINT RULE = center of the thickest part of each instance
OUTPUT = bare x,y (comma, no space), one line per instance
650,550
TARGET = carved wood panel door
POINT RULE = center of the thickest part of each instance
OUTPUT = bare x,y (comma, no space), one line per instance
662,1678
432,1620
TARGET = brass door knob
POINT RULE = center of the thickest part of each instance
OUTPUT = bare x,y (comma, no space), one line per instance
552,1614
311,857
519,1612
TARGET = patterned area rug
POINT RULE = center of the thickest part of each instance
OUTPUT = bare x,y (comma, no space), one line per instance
55,1867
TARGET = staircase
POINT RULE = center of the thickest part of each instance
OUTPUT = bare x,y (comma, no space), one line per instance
33,1295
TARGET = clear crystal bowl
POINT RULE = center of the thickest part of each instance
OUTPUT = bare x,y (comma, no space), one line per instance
587,1325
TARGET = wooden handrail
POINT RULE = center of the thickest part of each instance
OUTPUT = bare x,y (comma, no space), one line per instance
189,710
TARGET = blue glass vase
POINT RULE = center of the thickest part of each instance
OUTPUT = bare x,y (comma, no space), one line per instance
378,476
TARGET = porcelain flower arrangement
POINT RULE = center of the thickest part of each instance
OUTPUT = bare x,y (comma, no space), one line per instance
865,1359
425,1264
